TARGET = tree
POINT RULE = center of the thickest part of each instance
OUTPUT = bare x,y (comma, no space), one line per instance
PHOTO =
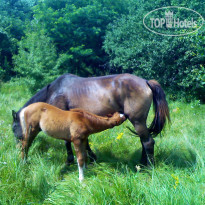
177,62
13,17
37,60
78,28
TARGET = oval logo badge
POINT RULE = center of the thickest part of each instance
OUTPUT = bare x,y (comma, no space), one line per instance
173,21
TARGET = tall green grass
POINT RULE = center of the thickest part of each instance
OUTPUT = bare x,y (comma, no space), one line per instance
178,177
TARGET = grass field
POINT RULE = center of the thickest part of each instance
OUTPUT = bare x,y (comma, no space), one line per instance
178,177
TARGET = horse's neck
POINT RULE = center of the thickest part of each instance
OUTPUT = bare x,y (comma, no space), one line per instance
40,96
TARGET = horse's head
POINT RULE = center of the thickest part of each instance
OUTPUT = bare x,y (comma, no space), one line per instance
118,118
16,127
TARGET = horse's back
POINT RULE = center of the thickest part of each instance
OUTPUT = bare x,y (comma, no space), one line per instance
100,95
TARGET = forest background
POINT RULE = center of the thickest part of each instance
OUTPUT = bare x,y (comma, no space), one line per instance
42,39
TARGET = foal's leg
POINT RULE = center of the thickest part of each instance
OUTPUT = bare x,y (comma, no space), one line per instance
147,142
27,141
80,149
70,157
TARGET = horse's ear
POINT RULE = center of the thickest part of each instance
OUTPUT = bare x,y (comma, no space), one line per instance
14,114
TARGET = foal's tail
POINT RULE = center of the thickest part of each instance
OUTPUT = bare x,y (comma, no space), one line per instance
161,108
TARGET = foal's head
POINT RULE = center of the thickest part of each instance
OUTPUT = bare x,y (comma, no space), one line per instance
118,118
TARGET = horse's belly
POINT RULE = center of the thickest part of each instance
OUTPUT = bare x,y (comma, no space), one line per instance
99,106
56,133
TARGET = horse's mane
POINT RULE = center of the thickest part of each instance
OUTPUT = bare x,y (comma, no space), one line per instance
40,96
43,94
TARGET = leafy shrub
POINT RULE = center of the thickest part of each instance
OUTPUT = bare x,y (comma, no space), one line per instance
37,60
176,62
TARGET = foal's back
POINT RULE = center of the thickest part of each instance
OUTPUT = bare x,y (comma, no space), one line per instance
55,122
51,120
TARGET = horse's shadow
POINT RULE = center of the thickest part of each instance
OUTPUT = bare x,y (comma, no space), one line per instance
119,162
42,144
176,158
110,159
180,160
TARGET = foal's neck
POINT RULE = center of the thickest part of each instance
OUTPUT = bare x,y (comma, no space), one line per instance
103,123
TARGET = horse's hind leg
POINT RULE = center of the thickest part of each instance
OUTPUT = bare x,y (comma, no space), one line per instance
70,157
147,158
147,142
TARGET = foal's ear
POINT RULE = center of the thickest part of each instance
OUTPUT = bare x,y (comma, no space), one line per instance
14,114
109,115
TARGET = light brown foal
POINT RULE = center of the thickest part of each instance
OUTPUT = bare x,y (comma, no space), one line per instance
74,126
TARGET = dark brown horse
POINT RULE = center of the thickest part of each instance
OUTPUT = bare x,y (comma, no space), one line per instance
122,93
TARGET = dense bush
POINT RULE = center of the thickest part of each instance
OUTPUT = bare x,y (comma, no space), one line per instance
37,60
14,15
177,62
40,40
78,29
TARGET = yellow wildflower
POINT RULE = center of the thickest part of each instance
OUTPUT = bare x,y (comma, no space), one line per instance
176,178
119,136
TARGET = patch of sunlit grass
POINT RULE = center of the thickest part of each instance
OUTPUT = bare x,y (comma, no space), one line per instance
116,177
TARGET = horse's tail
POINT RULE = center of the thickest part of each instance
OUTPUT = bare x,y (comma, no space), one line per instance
161,108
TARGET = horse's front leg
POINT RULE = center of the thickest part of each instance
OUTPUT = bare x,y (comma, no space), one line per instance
70,156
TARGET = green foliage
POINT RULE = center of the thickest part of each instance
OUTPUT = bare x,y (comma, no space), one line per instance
177,62
13,17
98,37
178,177
36,58
78,28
